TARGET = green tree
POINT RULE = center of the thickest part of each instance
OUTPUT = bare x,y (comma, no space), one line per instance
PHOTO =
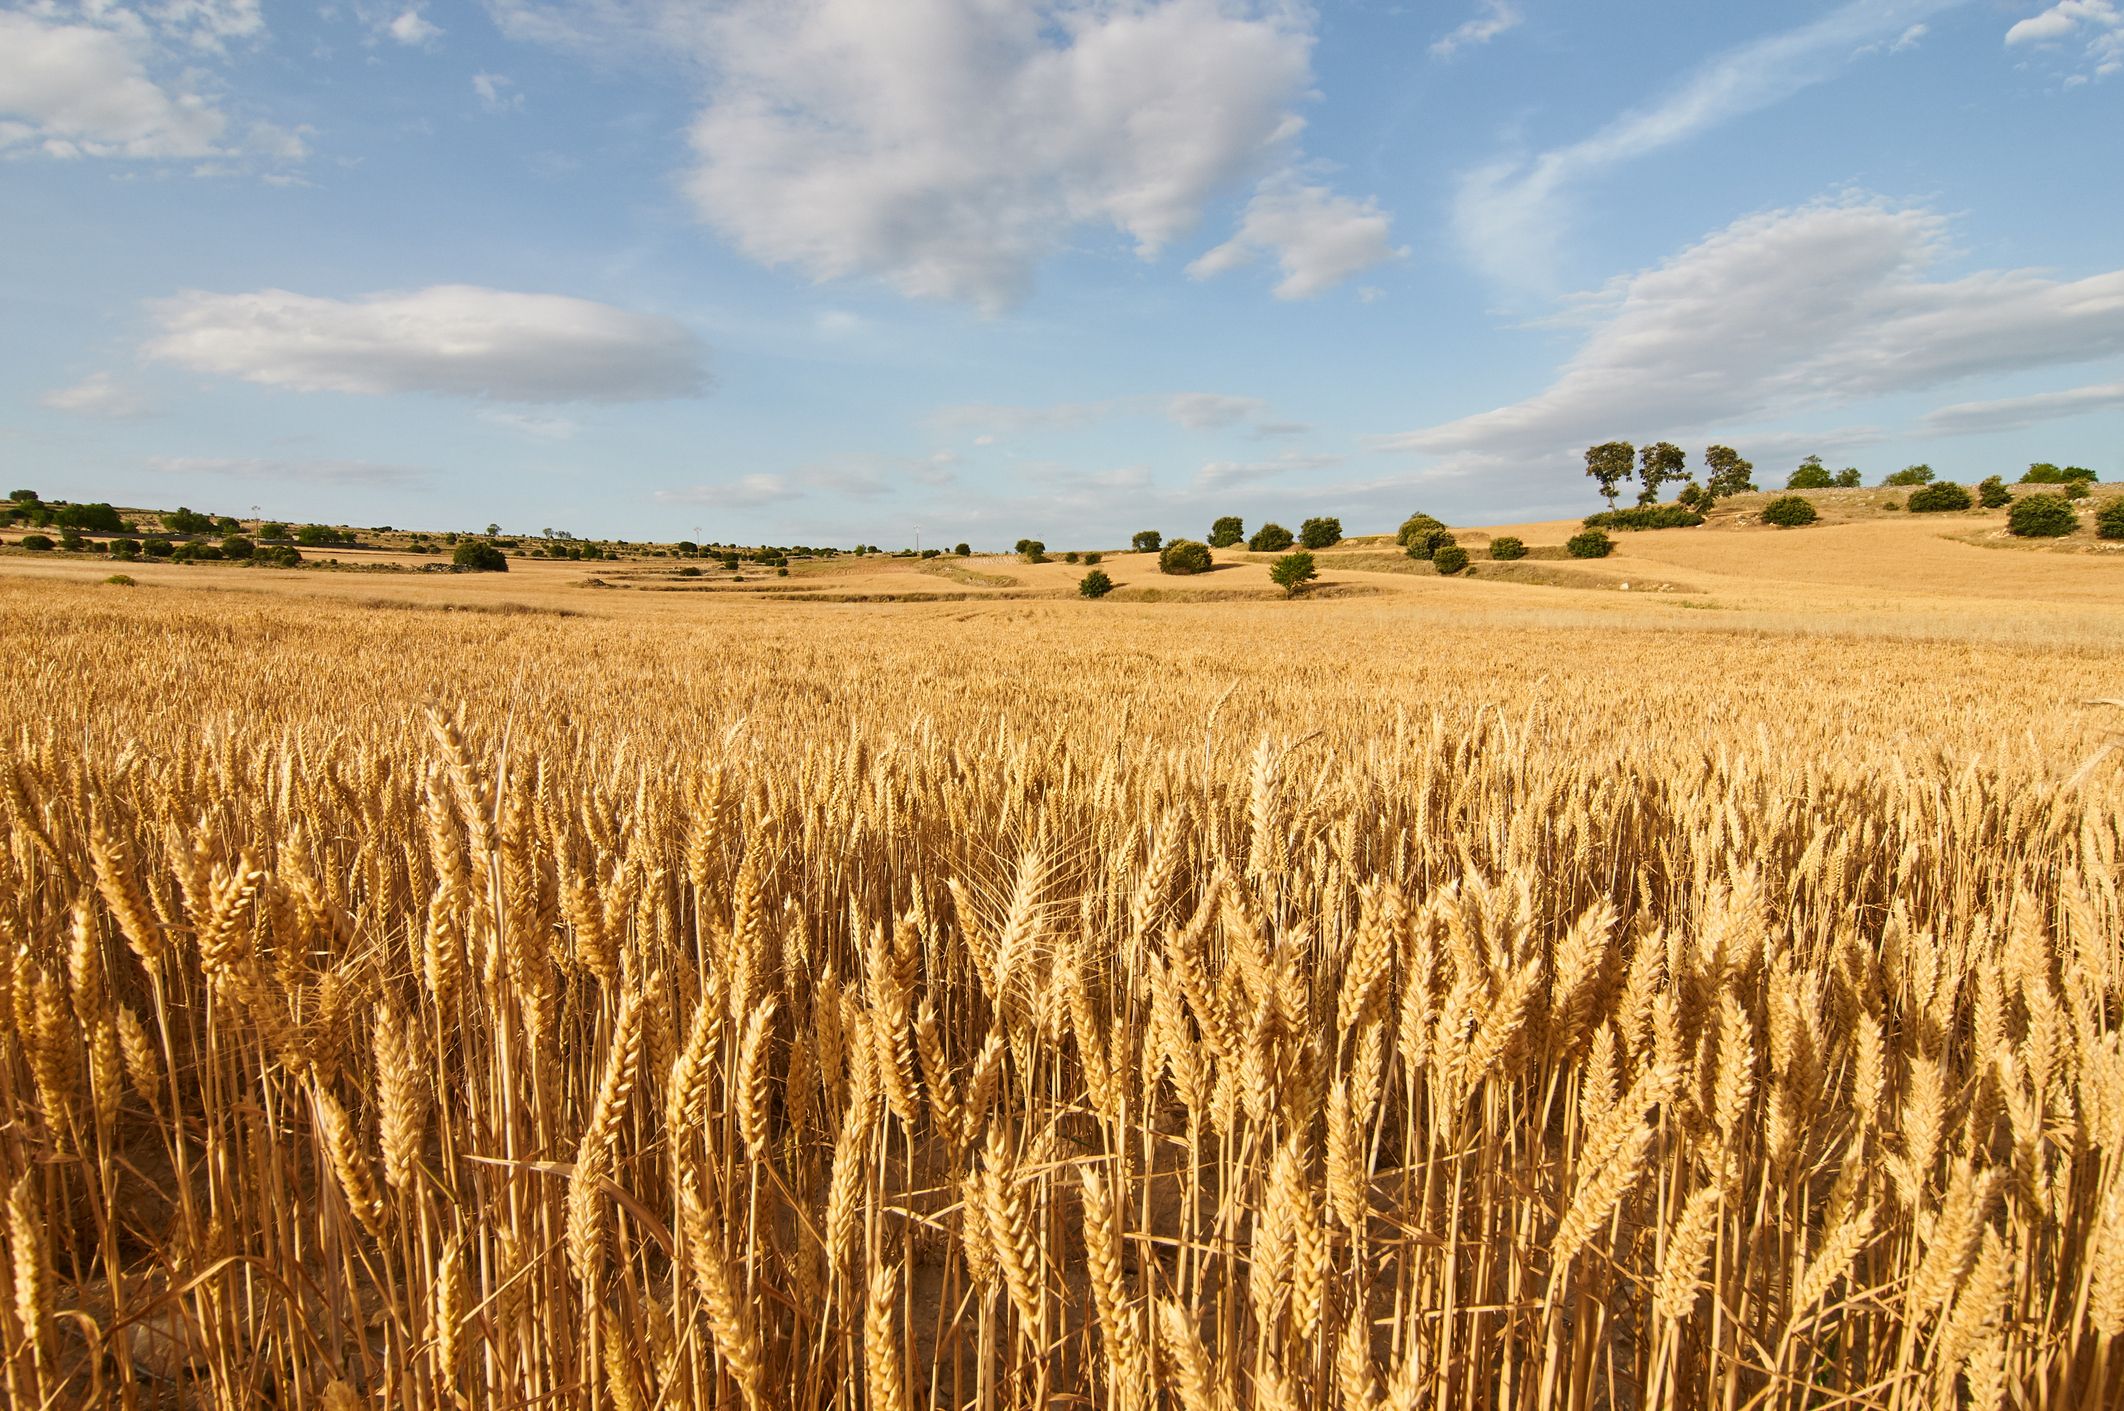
238,547
1508,546
962,548
272,529
1032,551
1418,523
1321,533
1589,544
1920,474
1183,557
99,518
1610,464
1848,478
1659,464
1992,493
1941,496
475,557
1095,584
1226,531
1146,541
1292,572
1270,539
1811,475
2109,520
2042,517
1426,544
1450,560
185,521
1790,511
1731,474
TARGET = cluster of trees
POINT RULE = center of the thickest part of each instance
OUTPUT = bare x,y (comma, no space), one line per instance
1813,475
1611,465
1229,531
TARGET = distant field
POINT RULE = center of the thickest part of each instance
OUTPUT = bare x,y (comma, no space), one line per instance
1685,978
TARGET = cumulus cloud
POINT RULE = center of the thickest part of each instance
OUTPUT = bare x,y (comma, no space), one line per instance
80,90
1493,18
413,29
451,339
1788,311
98,395
746,492
1317,237
1513,214
2012,413
2097,25
283,471
1225,475
947,147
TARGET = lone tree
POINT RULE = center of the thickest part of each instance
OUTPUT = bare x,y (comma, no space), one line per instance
1811,475
1292,572
1610,464
1146,541
474,557
1183,557
1415,524
1270,539
1226,531
1095,584
1731,474
962,548
1911,475
1658,464
1320,533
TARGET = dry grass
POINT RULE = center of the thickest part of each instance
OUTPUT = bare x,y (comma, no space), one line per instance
1005,1004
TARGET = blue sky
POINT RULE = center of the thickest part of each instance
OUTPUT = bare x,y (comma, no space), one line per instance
823,271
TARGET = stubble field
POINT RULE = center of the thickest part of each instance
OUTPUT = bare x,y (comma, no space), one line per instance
1460,995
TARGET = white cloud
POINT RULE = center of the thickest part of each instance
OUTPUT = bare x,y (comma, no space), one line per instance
413,29
1512,215
1202,411
1780,313
1909,38
536,426
329,472
76,90
497,93
1225,475
1318,237
747,492
1495,17
2098,22
948,147
2012,413
98,395
450,339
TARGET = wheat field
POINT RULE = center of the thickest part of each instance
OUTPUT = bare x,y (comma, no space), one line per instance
1002,1005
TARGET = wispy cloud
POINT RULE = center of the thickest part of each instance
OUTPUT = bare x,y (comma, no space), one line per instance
2012,413
1512,215
98,395
1495,17
283,470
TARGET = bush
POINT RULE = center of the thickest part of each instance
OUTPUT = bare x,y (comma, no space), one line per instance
1092,558
37,543
472,556
272,529
2109,520
70,538
1847,478
1415,524
280,556
2044,473
1095,584
1146,541
1790,511
185,521
98,516
1646,517
2075,489
1507,546
1292,572
1940,497
1184,556
1992,493
1270,539
1450,560
1070,557
1589,544
1321,533
1812,475
158,548
1226,531
238,547
1032,551
125,548
321,536
2042,517
1426,542
962,548
1911,475
119,580
689,571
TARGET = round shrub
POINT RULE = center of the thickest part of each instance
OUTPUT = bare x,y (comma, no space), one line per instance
238,547
1450,560
1092,558
1992,493
119,580
1508,546
1589,544
2109,520
125,548
1095,584
37,543
1425,543
2042,517
1184,556
2075,489
1292,572
689,571
1071,557
158,548
1415,524
1941,496
1320,533
280,556
1270,539
472,556
1790,511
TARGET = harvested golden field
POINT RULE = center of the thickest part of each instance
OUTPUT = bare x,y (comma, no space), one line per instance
1472,994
